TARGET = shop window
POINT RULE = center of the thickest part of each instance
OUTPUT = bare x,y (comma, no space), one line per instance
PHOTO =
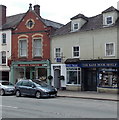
3,57
76,51
108,77
73,75
109,49
22,48
3,38
37,48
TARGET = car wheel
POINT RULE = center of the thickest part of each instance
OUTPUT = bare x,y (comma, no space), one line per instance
38,95
2,92
18,94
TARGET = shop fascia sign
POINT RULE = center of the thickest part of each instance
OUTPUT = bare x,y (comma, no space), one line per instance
31,65
85,65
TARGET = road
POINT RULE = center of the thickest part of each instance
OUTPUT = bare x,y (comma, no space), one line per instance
26,107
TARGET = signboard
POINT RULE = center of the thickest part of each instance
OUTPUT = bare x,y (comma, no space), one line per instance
29,65
93,65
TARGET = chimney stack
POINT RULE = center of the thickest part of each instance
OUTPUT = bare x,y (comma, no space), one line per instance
37,9
2,14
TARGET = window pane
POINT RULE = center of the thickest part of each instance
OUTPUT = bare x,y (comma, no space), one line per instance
57,52
76,51
3,38
23,47
3,57
37,47
109,49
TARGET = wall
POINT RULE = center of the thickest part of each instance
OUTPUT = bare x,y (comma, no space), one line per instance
92,43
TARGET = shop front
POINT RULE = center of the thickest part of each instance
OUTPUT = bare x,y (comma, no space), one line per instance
100,75
93,75
30,70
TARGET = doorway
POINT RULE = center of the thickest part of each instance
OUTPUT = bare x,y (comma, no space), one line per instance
90,79
57,83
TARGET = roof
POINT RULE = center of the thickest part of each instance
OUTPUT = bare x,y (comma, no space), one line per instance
110,9
13,21
95,22
79,16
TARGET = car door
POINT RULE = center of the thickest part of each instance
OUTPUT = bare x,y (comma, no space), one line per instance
31,88
25,87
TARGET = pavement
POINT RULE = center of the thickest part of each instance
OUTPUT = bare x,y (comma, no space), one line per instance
88,95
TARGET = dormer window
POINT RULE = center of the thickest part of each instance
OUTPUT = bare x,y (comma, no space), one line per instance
75,26
109,20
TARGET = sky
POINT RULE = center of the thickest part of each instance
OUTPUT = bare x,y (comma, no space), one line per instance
60,10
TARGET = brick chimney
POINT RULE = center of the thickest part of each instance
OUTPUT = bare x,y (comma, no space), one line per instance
37,9
2,14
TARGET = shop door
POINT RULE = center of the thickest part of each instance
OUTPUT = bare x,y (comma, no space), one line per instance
56,78
90,80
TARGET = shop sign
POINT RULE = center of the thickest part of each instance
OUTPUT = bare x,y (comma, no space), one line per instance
29,65
93,65
99,65
72,65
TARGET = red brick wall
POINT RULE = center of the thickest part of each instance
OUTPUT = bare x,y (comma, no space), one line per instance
23,30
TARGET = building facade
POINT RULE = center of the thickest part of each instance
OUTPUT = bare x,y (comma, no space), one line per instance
5,45
30,44
85,51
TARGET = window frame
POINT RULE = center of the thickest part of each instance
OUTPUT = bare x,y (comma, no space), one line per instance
106,20
78,78
74,26
107,55
3,59
24,39
33,54
77,51
4,38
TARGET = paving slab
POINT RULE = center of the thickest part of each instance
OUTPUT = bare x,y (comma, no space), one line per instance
88,95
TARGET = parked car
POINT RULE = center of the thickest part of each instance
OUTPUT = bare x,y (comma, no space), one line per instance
35,88
6,88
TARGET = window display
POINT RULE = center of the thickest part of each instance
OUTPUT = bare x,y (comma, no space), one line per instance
108,77
73,75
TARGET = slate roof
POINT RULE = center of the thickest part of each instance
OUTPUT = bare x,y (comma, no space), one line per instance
95,22
13,21
79,16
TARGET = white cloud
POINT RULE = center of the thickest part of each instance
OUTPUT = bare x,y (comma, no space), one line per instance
60,10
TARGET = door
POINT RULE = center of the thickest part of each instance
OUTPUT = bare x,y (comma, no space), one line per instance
56,78
90,80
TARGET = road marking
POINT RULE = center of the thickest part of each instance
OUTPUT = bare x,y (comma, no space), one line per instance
8,106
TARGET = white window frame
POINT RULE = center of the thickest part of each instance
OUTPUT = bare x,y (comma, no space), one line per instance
2,57
40,48
4,38
77,51
74,26
25,48
59,52
107,18
106,49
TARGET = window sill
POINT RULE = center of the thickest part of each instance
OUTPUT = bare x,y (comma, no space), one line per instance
4,44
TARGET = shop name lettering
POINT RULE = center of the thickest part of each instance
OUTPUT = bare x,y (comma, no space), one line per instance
29,65
100,65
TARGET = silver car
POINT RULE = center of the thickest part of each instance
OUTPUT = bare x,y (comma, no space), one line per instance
6,88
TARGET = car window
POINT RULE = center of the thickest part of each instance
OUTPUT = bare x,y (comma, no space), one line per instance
25,83
19,83
41,83
6,83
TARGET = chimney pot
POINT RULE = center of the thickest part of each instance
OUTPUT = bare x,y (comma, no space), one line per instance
37,9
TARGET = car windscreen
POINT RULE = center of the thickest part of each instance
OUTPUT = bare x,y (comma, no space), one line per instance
40,83
6,83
